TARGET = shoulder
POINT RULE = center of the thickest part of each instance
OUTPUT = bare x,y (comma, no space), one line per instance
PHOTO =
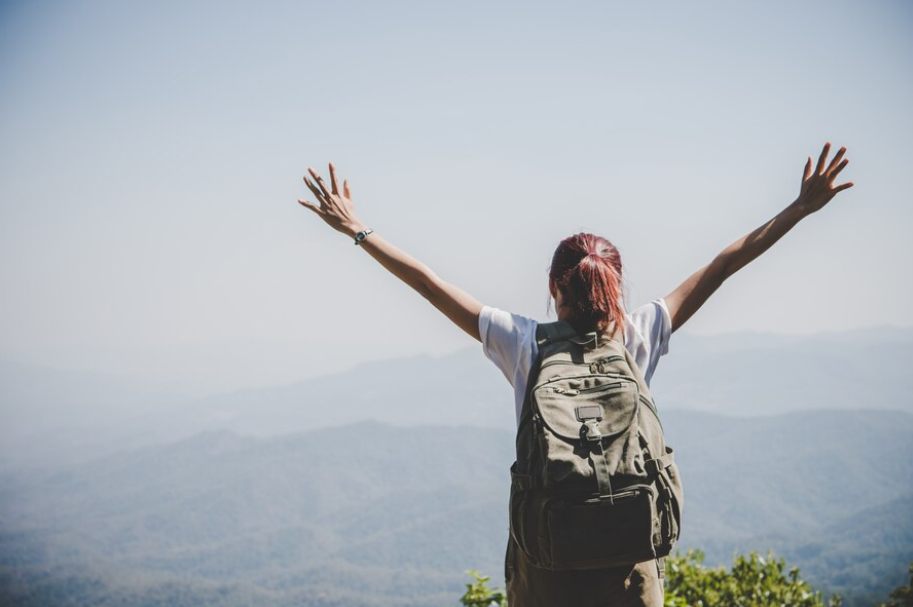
508,340
649,324
648,330
498,326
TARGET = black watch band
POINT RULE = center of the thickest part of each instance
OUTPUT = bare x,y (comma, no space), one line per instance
362,235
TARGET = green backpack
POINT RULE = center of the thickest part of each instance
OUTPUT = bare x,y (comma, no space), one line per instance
594,485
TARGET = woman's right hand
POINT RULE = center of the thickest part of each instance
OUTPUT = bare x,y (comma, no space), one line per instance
336,209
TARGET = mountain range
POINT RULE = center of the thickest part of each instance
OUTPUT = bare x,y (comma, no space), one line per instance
58,415
381,485
373,514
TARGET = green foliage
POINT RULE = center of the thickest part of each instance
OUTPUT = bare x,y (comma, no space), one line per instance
754,581
902,595
478,594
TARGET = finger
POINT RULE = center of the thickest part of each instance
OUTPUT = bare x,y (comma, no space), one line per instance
310,205
827,148
843,186
320,183
836,160
333,178
833,174
808,170
316,191
345,189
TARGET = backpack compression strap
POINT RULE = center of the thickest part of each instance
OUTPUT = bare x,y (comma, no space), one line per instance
601,468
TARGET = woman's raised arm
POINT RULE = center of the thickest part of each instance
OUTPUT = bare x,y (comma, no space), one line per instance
816,191
338,211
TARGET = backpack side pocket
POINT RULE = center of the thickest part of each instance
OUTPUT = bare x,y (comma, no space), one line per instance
668,506
523,514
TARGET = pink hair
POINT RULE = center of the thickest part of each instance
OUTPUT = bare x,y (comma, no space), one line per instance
587,270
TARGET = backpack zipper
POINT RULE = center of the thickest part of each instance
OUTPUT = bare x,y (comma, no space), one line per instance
574,392
588,375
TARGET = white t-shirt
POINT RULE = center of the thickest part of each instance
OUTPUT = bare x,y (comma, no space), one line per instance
509,341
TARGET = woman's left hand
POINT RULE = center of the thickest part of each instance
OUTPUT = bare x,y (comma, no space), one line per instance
818,188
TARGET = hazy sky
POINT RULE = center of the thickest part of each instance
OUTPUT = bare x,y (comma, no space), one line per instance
152,154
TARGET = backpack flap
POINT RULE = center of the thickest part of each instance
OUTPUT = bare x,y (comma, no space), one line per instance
587,431
587,407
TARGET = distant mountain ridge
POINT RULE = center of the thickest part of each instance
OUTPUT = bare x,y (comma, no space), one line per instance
746,375
55,415
372,514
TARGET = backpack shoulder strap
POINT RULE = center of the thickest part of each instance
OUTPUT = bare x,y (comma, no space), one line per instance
560,330
546,333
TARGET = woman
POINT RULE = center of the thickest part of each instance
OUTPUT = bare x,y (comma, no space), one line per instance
585,281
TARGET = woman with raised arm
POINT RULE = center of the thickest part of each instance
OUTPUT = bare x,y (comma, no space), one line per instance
585,280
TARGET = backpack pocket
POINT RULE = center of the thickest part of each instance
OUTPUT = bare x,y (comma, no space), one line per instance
560,401
598,533
669,509
577,414
524,509
567,533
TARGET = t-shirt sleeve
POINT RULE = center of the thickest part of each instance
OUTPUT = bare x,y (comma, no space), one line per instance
506,340
652,327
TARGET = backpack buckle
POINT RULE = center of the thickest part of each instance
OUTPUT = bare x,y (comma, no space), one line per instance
590,415
590,430
653,466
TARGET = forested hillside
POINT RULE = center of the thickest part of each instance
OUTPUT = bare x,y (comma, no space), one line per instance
370,514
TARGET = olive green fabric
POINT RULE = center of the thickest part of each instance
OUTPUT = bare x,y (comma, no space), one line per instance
637,585
595,491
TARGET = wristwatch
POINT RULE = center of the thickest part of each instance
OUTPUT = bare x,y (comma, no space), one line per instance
362,235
